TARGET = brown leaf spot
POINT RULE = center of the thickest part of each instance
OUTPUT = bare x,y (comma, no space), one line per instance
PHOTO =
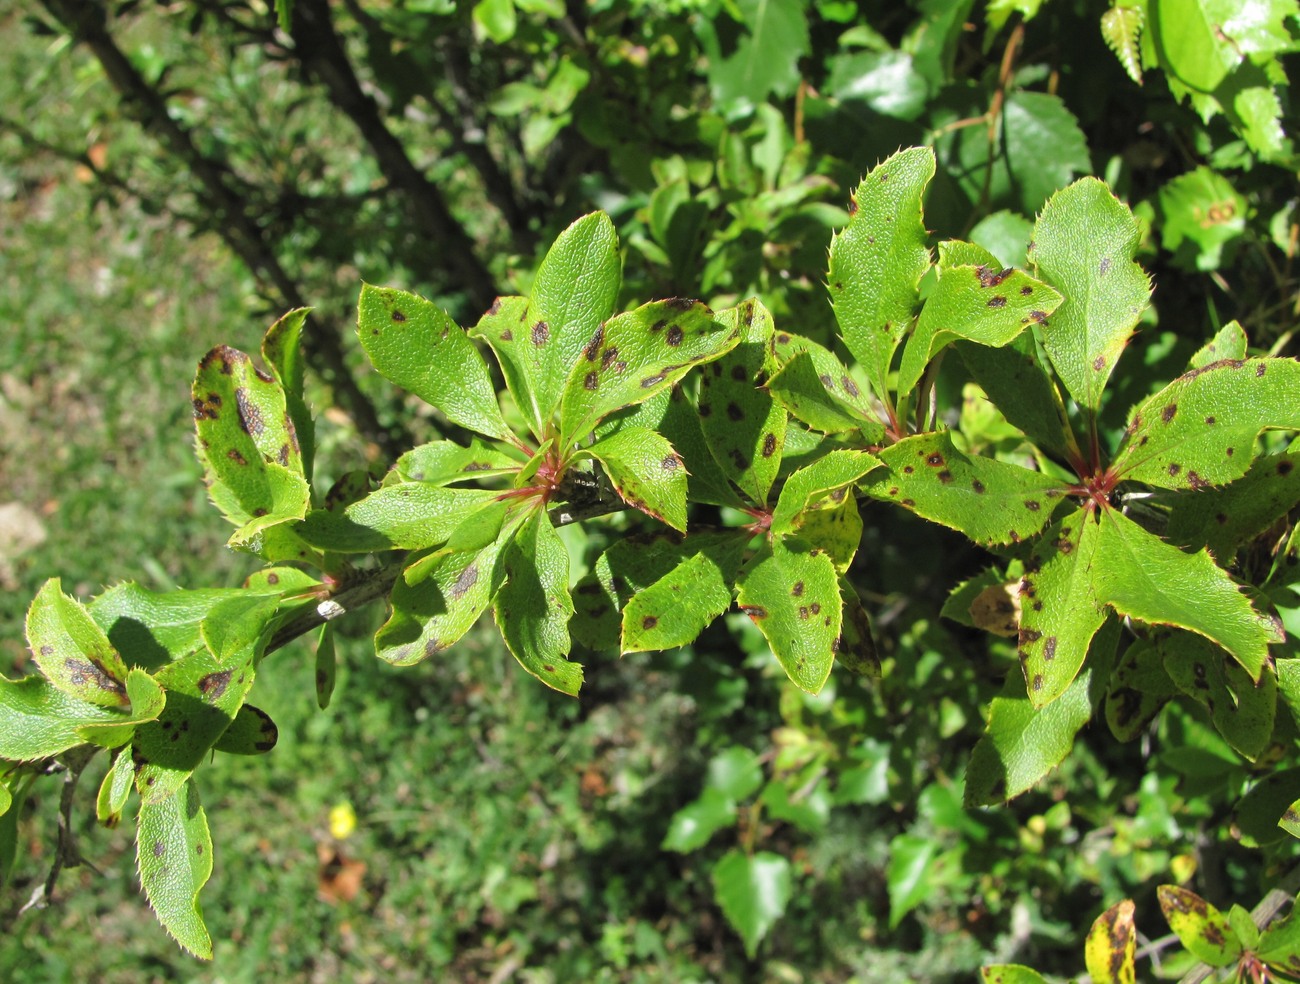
673,336
433,647
816,608
1210,421
1026,291
1284,467
507,335
1175,469
467,579
934,460
1033,505
398,315
234,455
159,849
593,346
495,308
797,590
997,301
803,611
769,445
706,409
908,469
1099,363
92,671
738,373
282,456
734,412
850,386
670,463
214,685
649,622
651,381
540,333
250,417
853,206
1167,414
1260,369
591,380
945,476
827,381
1038,682
1049,648
977,485
754,611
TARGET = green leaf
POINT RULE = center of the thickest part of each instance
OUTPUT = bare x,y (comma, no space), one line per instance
766,59
1022,743
283,355
992,502
1121,27
735,773
37,720
496,18
1259,815
979,303
791,592
1016,383
829,477
817,389
1192,44
1279,947
1200,927
1200,429
677,607
417,346
115,789
1223,519
856,651
752,892
503,327
694,825
631,564
1142,577
153,628
1010,974
326,666
1241,709
431,615
1138,690
252,732
1229,342
533,606
407,516
1111,946
635,355
877,261
1201,215
249,447
745,427
575,290
1059,608
1044,146
646,473
72,651
910,874
1084,242
174,855
147,701
446,462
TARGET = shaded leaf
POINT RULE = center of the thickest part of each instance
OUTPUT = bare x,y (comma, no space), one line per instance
1143,577
408,516
504,328
115,789
911,867
752,892
766,59
1044,145
818,390
1084,242
1018,385
152,628
174,856
1241,709
252,732
38,720
630,565
677,607
326,666
283,355
877,261
1223,519
1138,690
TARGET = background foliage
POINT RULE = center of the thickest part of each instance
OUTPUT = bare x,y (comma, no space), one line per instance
183,173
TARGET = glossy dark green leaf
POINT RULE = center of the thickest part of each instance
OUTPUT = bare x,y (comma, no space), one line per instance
1142,577
753,892
1084,243
72,650
791,592
1059,608
744,426
446,463
677,607
1260,816
1022,743
282,352
408,516
635,355
533,605
573,293
992,502
856,651
878,260
1111,946
1200,927
174,856
646,473
252,732
1200,429
416,345
1240,708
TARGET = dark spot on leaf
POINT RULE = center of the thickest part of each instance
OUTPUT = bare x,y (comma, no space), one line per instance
548,667
159,849
1284,467
1099,363
1104,266
1175,469
591,380
1167,414
433,647
1038,606
507,335
738,459
997,301
670,463
705,409
850,386
894,490
803,611
1038,682
769,445
739,374
908,469
1260,369
909,503
398,315
1210,421
1038,316
839,494
734,412
827,381
652,381
250,417
1033,505
748,316
816,608
1196,482
467,579
934,460
988,278
496,307
1029,636
1026,291
853,206
674,335
945,476
263,375
234,455
681,303
659,325
754,611
797,590
593,346
214,685
977,485
90,670
1049,648
649,622
282,456
1221,519
610,355
541,332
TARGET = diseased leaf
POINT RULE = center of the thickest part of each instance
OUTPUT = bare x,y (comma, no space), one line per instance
38,720
1241,709
833,524
992,502
981,303
630,565
878,259
446,463
677,607
115,789
283,355
1200,430
1112,945
152,628
1084,242
829,477
72,651
1143,577
252,732
1223,519
174,856
1138,690
406,516
1200,927
533,605
646,473
744,426
147,700
1010,974
1201,216
574,291
791,593
753,892
1059,608
1022,743
1229,342
635,355
504,328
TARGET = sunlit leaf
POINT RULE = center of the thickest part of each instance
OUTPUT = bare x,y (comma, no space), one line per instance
72,651
1111,945
646,472
174,856
1200,927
